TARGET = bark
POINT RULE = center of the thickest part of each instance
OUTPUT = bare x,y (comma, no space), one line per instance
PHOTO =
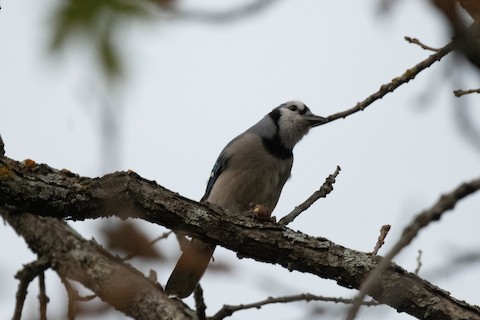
111,279
42,190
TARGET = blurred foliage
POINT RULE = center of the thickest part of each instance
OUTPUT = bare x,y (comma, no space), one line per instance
97,23
128,238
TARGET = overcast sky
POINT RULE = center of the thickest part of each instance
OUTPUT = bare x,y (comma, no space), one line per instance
191,87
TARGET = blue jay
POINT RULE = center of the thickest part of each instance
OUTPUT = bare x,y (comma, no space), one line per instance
251,169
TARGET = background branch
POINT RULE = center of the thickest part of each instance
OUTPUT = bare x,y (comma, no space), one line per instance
112,280
25,276
421,44
460,92
408,75
42,296
419,262
445,203
228,310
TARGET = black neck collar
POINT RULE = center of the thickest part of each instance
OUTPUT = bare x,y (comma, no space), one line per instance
274,145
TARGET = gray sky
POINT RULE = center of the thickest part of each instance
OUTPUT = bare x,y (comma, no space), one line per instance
192,87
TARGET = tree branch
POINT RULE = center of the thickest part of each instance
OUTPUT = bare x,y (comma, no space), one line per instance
381,238
73,298
460,92
445,203
324,190
419,262
228,310
200,305
45,191
42,296
421,44
25,276
112,280
408,75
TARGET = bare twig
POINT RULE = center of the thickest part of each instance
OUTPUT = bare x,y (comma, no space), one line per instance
445,203
73,298
381,238
25,276
422,45
228,310
408,75
460,92
42,296
419,262
324,190
72,301
200,305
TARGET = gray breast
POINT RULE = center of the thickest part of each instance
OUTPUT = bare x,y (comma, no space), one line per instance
253,176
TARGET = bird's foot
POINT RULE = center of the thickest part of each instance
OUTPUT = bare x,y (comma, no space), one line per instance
261,213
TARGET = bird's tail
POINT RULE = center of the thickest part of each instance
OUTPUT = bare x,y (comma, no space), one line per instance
189,269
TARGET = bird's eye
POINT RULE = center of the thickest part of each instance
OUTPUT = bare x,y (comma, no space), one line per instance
293,108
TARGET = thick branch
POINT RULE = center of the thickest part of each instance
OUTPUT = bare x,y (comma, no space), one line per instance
45,191
112,280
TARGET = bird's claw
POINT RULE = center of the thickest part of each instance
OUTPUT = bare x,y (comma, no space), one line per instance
261,213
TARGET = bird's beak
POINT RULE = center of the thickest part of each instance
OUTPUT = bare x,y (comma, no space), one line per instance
315,120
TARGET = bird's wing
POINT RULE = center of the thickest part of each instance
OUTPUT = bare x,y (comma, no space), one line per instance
217,170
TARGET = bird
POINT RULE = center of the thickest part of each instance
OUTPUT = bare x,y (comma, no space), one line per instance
250,171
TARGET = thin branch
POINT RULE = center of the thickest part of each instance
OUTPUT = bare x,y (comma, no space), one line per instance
324,190
73,297
381,238
25,276
460,92
200,305
423,219
408,75
422,45
42,296
419,262
228,310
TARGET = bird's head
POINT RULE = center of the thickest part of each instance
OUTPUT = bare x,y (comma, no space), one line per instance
294,120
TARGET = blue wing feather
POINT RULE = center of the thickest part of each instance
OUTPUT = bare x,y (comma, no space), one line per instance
217,170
